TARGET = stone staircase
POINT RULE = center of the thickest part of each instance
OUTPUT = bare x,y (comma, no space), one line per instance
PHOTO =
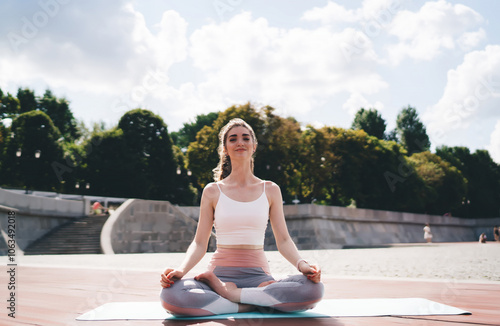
78,237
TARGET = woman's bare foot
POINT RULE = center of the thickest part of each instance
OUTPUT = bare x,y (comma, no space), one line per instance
227,290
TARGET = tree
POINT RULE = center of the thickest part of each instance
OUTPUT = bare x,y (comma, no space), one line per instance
149,143
106,167
277,152
136,159
27,99
187,134
58,110
9,106
370,121
339,166
483,181
411,131
3,132
31,150
445,183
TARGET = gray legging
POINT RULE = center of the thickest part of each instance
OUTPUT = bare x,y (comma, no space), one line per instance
194,298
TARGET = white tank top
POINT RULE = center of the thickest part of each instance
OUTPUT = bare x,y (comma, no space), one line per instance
241,223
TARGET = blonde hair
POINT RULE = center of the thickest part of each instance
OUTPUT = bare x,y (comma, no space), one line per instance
223,169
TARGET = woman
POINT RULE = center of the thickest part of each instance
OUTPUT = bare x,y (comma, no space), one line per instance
427,233
238,279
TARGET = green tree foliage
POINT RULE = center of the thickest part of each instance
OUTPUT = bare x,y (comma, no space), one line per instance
330,165
483,176
370,121
9,105
340,165
27,99
135,160
187,133
446,186
411,132
186,193
107,168
3,133
275,158
58,110
32,132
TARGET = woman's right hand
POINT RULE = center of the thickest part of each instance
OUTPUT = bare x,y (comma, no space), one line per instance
169,276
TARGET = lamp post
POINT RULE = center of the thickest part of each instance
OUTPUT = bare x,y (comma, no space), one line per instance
84,186
28,174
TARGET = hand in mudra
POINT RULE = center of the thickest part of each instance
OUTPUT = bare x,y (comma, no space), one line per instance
169,276
313,272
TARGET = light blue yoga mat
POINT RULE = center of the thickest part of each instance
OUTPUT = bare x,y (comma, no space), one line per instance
326,308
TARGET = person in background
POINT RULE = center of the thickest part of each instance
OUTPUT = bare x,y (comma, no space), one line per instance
496,233
98,209
427,233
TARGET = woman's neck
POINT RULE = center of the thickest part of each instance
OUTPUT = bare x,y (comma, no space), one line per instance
241,174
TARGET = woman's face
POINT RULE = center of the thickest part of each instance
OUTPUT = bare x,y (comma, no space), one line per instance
239,143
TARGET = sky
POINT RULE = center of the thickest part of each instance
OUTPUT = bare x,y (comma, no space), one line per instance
317,61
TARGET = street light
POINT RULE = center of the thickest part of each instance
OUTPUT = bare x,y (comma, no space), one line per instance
19,153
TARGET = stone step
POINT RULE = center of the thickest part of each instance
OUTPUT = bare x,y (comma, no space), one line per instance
77,237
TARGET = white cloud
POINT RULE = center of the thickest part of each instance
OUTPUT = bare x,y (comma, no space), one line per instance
80,48
470,40
436,27
357,101
294,70
494,146
472,95
380,11
331,14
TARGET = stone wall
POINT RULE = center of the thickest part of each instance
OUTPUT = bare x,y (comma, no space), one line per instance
35,216
158,226
330,227
148,226
45,206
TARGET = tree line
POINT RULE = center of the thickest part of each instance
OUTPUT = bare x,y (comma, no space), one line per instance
365,166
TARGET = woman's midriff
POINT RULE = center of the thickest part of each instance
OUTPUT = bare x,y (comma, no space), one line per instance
230,257
240,246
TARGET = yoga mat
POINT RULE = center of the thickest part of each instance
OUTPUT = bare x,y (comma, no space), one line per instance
325,308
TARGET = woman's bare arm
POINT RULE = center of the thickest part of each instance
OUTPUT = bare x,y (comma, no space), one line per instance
284,242
198,247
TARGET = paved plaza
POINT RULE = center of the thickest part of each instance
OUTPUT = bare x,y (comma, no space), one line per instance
55,289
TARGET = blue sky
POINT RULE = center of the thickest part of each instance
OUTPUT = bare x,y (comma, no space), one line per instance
318,61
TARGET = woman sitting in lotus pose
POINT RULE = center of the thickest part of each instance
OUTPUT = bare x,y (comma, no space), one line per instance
238,278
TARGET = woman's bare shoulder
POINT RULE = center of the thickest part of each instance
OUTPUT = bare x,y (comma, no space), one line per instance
272,188
211,191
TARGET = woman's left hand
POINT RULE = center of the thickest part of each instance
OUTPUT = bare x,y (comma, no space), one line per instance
313,272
